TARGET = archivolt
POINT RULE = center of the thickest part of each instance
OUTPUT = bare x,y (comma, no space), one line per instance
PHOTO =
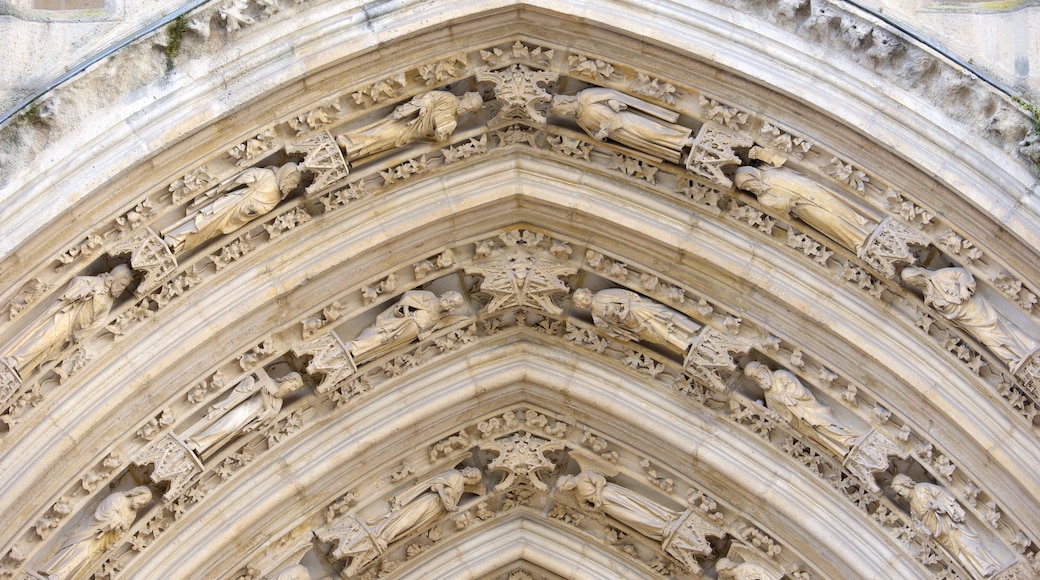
865,344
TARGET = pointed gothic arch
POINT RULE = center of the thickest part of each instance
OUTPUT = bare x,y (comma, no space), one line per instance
517,202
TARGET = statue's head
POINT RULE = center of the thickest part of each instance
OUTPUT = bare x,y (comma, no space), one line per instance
450,300
288,178
749,179
902,484
119,278
470,103
139,496
582,298
564,105
289,383
566,482
471,475
759,373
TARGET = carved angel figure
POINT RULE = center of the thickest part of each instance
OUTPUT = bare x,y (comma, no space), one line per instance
262,190
937,511
786,396
113,516
635,317
951,291
730,570
635,123
787,191
251,405
84,306
432,115
417,508
416,315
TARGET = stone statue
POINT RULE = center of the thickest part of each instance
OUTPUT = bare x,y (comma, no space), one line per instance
417,508
682,534
951,291
634,123
787,191
786,396
635,317
937,511
635,511
416,315
432,115
250,406
84,305
113,516
262,190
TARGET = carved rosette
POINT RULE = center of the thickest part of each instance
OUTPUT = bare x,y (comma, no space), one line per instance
330,357
520,279
149,255
322,158
713,149
687,540
871,455
352,539
522,455
171,461
890,246
521,93
710,352
1028,374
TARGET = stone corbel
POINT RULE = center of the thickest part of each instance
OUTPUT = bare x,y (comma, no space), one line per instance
871,455
890,246
687,538
322,158
710,352
1027,373
149,255
329,356
172,461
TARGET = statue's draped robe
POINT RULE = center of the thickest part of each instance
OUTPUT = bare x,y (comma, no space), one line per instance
230,211
85,303
792,401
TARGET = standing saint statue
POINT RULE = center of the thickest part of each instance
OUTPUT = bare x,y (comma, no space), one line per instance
786,396
415,509
634,123
634,317
83,306
113,516
787,191
951,291
250,406
937,511
262,190
416,315
637,512
432,115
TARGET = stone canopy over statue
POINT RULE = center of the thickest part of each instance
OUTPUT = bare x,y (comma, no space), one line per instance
634,123
635,317
83,306
260,192
432,115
